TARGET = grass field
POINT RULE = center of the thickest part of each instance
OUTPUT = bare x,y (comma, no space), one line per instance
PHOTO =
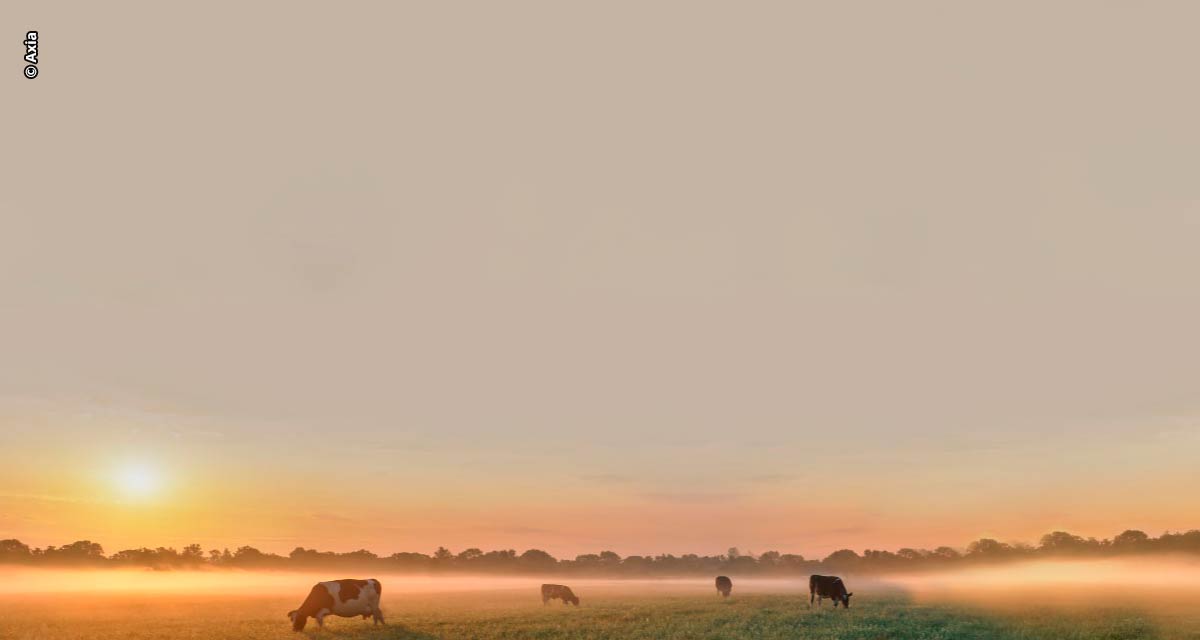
608,611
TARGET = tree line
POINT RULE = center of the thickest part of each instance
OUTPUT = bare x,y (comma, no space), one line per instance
1058,544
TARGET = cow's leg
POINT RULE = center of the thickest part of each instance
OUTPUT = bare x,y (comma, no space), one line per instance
320,620
378,614
812,595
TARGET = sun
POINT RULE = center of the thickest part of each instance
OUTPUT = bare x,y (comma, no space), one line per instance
138,480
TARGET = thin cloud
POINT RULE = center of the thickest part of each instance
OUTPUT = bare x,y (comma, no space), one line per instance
606,478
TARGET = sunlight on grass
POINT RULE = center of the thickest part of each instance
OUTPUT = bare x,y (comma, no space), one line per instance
607,613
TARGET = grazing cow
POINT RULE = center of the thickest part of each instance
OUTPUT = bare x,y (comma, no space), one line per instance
552,591
346,598
821,587
724,585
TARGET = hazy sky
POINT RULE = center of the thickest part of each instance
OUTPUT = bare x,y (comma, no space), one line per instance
642,276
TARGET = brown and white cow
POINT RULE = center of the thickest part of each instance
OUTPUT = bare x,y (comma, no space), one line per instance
346,598
564,593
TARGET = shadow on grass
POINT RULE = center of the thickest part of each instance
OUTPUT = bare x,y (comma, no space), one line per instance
390,631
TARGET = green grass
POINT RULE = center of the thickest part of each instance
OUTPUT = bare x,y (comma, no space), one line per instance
508,614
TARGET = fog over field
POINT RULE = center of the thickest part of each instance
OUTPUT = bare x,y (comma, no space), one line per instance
1126,599
1134,580
1139,582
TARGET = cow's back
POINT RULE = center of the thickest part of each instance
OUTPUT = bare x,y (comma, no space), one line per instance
827,586
354,597
562,592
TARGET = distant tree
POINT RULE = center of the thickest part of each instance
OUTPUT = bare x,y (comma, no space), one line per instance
1179,542
469,555
536,559
880,560
741,563
842,559
247,553
192,554
13,550
500,560
1061,542
1131,540
79,552
143,557
410,561
606,562
791,561
637,565
988,549
666,563
250,557
946,553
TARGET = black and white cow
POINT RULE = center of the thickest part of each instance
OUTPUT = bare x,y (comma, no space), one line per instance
821,587
346,598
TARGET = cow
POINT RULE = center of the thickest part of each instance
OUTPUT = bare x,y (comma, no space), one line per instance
821,587
724,586
346,598
552,591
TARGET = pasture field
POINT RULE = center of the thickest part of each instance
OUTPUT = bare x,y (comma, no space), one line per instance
609,611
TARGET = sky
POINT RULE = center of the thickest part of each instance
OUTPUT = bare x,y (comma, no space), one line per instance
642,276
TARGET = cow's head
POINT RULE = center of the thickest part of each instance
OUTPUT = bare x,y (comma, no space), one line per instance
298,620
846,600
574,600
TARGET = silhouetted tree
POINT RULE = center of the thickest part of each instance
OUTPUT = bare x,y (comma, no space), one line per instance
76,553
792,561
607,563
988,549
1131,540
192,554
536,560
842,559
946,554
409,561
468,556
15,551
1063,543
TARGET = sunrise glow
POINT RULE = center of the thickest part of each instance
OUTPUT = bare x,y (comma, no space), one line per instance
138,480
